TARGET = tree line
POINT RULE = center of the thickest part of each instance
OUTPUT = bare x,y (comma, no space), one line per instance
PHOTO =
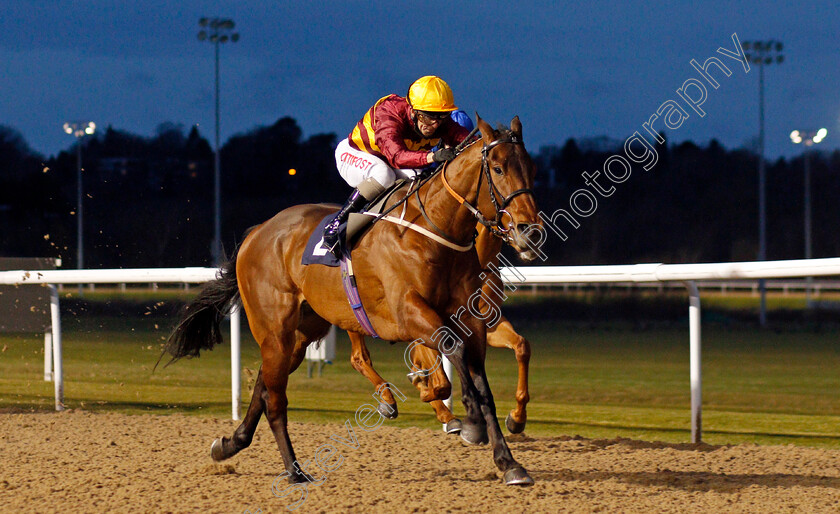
148,201
697,204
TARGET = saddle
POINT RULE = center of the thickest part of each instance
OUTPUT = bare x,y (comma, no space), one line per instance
359,222
350,232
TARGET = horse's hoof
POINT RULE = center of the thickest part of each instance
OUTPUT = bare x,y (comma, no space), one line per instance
388,410
518,476
513,426
453,426
217,451
474,434
300,478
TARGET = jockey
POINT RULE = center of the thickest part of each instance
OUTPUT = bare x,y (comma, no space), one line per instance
393,140
461,118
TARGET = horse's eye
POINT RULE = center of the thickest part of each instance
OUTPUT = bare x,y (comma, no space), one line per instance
498,170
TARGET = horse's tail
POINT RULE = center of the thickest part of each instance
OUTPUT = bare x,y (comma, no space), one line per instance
199,328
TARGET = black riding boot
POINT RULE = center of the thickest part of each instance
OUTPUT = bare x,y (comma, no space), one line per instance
353,204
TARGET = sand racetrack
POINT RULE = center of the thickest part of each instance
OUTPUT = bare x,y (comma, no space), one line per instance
82,462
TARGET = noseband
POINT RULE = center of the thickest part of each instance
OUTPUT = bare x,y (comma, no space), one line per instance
500,202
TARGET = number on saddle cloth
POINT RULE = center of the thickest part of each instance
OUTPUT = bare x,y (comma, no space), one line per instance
315,251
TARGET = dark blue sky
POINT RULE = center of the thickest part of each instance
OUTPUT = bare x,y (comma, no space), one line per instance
567,69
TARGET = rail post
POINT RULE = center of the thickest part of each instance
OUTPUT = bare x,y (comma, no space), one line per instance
58,372
235,360
447,368
48,374
695,372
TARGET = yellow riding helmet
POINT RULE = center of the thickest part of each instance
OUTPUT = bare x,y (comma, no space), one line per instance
431,93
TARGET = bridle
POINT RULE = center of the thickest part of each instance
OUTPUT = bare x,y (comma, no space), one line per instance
500,202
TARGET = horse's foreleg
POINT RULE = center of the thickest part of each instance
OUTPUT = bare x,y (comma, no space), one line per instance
503,335
418,319
514,473
226,448
467,357
474,426
360,359
435,387
451,424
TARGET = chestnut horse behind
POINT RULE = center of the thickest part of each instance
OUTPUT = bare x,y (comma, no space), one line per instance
410,286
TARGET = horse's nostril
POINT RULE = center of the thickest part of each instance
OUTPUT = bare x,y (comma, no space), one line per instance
522,227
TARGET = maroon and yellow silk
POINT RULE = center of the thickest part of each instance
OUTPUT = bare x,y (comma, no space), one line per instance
387,132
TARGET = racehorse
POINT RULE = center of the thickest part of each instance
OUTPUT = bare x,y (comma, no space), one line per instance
410,287
434,386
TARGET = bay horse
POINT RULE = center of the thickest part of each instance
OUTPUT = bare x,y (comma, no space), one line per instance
434,387
409,285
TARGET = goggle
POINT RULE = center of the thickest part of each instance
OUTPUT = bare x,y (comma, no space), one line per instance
432,117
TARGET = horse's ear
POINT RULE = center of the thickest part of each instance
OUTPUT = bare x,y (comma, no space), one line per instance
516,126
487,133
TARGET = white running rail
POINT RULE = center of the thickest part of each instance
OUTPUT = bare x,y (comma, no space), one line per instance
638,273
53,347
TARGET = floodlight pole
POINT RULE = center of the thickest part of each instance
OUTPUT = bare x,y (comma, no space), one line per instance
217,31
762,196
761,53
217,179
809,281
80,248
810,138
807,204
79,129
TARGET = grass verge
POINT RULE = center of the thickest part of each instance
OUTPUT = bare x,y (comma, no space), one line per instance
599,380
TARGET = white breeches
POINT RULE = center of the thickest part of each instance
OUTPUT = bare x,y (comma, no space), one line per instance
355,166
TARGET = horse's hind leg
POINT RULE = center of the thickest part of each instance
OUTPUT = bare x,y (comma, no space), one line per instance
503,335
278,357
269,398
360,359
274,315
226,448
309,329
